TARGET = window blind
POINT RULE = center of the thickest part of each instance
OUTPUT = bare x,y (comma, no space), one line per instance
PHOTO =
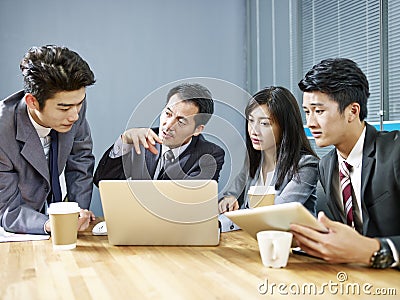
394,59
344,28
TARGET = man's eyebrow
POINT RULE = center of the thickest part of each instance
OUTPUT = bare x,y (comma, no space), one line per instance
316,104
178,117
69,105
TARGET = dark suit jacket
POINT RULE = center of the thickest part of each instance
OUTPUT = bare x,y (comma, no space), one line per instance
24,172
200,160
380,184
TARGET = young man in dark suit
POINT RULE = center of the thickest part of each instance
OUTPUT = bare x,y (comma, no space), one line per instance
175,150
360,177
47,117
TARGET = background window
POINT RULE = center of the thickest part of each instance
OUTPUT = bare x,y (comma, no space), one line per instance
351,29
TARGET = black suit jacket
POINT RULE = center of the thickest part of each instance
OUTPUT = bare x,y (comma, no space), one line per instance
200,160
380,184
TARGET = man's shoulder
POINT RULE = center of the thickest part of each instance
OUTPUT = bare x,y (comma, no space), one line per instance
206,145
387,145
381,140
8,107
392,137
13,99
10,103
382,137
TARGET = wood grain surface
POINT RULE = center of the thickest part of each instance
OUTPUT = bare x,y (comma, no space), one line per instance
232,270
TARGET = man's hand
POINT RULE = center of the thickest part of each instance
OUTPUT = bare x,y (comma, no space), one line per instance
228,203
342,244
141,136
47,226
85,216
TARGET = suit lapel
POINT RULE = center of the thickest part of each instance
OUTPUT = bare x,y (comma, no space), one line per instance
368,162
368,157
188,158
65,141
332,184
151,160
26,133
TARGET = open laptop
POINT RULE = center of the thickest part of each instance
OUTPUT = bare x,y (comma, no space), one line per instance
161,212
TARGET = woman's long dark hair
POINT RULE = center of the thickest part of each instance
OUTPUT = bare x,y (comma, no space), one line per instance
284,110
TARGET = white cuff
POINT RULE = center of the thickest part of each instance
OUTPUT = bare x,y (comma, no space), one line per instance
227,224
44,227
394,252
120,148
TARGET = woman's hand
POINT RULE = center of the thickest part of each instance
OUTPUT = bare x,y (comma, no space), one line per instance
228,203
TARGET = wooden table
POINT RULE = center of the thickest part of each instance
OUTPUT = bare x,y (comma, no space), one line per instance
233,270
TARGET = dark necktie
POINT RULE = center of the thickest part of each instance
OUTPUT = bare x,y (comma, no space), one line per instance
346,187
53,167
169,158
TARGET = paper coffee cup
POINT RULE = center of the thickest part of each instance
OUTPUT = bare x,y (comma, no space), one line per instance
64,224
261,196
274,247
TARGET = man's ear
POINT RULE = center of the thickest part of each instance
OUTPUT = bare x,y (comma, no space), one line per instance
354,111
32,102
198,130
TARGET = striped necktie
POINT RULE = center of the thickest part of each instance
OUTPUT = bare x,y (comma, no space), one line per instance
346,187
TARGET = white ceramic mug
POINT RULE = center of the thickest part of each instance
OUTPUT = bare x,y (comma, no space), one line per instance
274,247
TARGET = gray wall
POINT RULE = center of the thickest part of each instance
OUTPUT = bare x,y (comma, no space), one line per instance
137,48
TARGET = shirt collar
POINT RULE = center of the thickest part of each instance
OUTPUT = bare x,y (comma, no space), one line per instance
41,130
176,151
355,156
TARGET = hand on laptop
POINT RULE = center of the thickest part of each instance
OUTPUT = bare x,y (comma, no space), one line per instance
228,203
145,136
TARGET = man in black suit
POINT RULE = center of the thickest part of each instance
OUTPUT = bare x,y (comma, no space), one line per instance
175,150
335,102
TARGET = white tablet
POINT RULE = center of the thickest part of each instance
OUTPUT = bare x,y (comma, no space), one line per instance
274,217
